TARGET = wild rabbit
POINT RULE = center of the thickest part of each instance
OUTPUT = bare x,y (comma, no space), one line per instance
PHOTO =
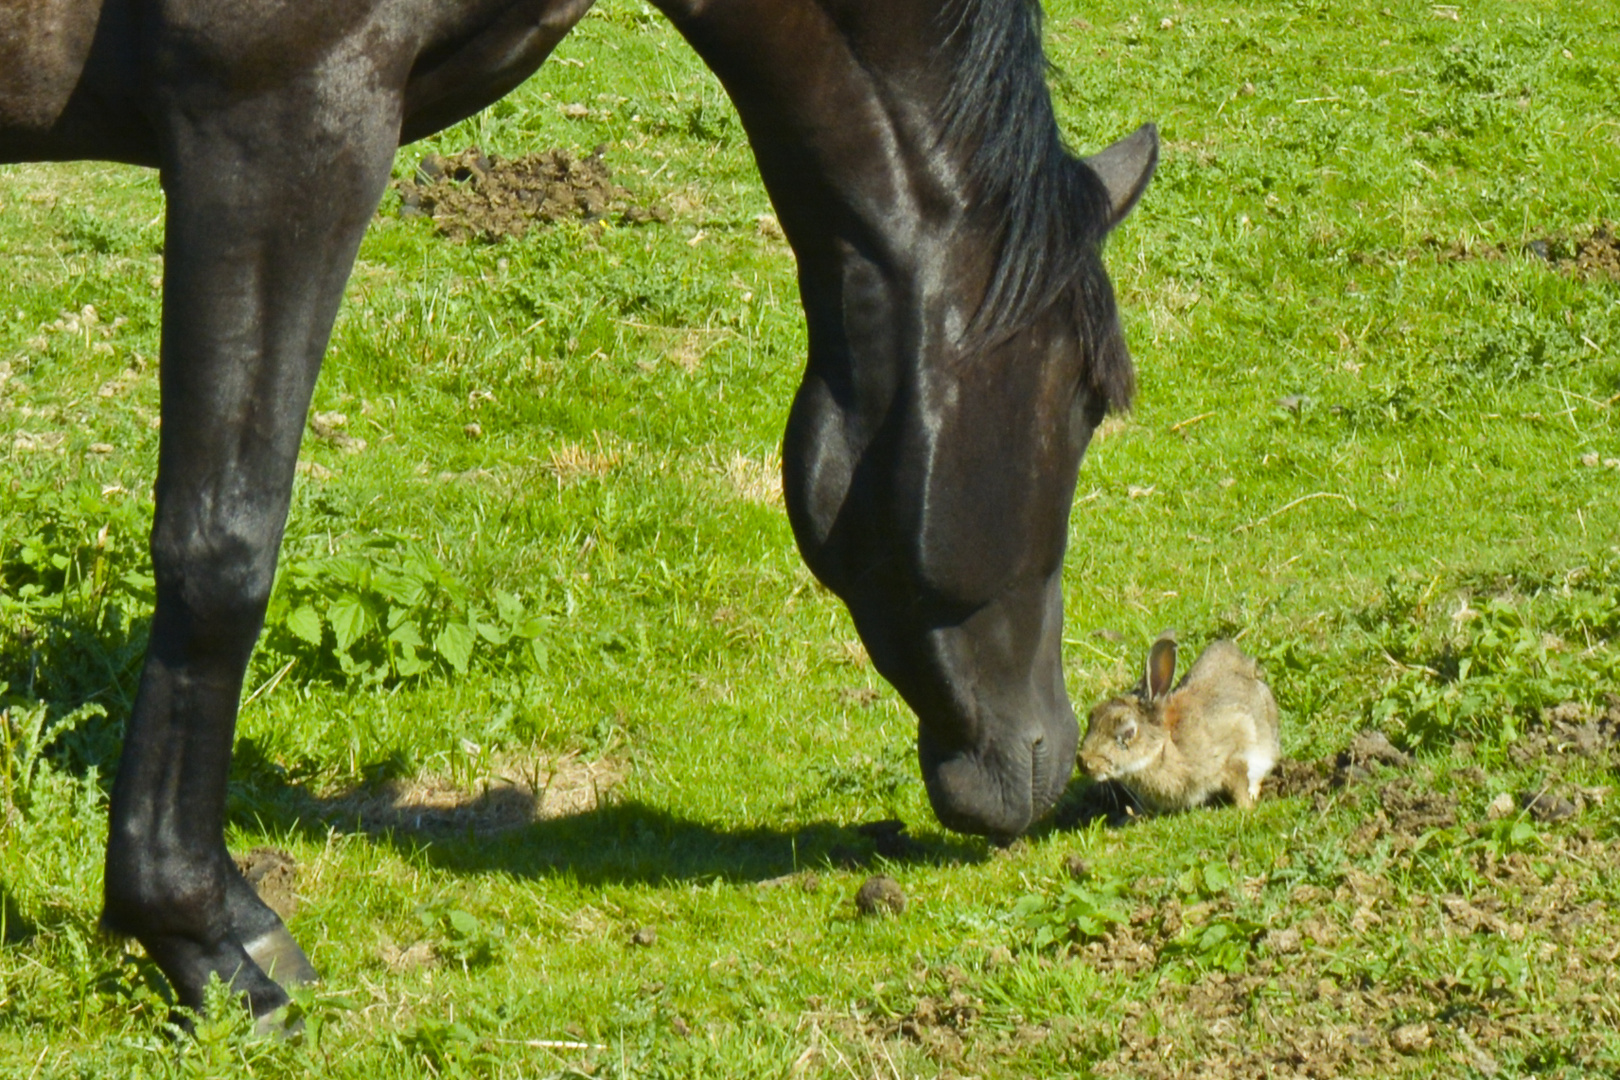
1173,749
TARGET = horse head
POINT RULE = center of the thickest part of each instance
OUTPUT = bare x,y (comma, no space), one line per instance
964,344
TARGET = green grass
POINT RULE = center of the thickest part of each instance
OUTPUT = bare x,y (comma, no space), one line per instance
1358,446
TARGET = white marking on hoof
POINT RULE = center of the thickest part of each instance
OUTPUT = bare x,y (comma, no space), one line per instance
279,957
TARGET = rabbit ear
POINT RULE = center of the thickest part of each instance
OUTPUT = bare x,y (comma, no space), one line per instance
1161,668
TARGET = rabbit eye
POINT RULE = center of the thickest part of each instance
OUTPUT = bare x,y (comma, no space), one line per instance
1125,737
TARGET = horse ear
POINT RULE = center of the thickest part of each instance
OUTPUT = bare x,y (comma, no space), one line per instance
1125,169
1161,667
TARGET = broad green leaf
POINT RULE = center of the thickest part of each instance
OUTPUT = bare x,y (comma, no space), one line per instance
305,624
1217,877
348,618
455,644
531,628
407,663
406,634
508,607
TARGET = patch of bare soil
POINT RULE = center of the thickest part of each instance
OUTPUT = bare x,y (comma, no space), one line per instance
1301,1007
942,1025
273,873
478,196
1369,754
1412,808
1573,730
1305,1004
1585,258
517,793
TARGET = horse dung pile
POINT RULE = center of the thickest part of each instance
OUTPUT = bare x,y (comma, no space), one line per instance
478,196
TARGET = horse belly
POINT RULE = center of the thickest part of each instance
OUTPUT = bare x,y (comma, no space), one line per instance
44,45
495,51
69,82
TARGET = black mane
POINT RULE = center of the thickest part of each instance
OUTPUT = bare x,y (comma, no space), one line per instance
1051,208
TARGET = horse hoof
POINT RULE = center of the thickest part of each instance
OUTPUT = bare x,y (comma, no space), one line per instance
280,958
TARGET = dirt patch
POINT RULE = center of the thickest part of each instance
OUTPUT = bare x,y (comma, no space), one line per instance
517,793
1592,257
478,196
880,895
1599,255
1572,730
1304,1003
942,1024
273,873
1412,808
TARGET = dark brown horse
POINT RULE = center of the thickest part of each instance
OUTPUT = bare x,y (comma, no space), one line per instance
963,345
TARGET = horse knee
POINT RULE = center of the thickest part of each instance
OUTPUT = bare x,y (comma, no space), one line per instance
214,572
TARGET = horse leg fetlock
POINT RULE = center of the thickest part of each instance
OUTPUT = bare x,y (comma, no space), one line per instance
156,890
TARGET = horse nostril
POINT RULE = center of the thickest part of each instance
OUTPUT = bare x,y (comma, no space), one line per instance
1040,797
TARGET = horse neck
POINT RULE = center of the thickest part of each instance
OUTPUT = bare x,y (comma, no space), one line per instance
846,105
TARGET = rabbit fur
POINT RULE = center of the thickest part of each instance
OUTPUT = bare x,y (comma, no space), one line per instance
1217,731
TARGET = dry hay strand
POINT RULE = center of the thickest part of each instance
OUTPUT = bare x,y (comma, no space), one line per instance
570,462
755,481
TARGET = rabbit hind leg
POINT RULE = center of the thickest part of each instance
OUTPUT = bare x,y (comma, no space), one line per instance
1238,786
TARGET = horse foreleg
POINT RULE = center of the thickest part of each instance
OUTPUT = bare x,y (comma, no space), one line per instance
266,206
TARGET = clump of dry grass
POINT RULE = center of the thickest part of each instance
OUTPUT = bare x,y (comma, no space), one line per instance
570,462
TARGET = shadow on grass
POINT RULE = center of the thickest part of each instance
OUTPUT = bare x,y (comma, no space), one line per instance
15,927
79,660
613,841
632,842
1086,802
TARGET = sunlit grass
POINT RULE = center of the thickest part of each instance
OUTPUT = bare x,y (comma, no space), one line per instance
1371,441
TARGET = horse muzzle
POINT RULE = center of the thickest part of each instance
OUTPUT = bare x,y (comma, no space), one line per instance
1003,787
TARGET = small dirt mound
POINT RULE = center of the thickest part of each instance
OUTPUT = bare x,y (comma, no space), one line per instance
1368,751
1591,257
273,873
880,895
1572,730
1599,255
1413,809
478,196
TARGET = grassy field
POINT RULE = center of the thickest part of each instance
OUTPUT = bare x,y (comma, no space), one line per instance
571,753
